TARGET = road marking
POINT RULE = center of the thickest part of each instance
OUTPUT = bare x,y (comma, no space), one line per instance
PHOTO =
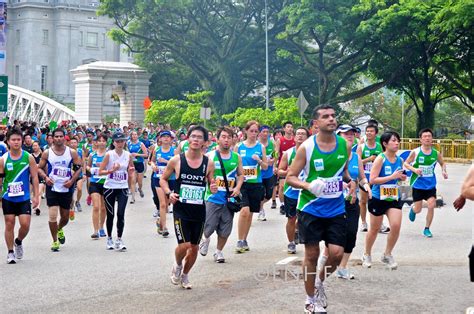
286,260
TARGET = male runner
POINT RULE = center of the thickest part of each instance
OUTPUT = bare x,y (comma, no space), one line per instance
193,173
268,175
285,143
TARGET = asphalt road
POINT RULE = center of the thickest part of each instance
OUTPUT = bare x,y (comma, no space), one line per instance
84,277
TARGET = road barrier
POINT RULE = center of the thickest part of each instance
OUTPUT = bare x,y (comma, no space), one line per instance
453,150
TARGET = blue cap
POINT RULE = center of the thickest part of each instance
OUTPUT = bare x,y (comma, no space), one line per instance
263,127
165,133
343,128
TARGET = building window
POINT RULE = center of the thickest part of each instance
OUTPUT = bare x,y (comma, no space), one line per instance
44,76
45,36
16,79
92,39
17,36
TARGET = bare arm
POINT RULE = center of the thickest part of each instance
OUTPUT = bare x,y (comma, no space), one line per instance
240,178
34,180
443,165
170,168
407,164
283,167
467,190
296,167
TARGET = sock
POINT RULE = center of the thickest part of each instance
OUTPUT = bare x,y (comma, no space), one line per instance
309,299
18,241
427,228
292,242
184,276
10,251
218,251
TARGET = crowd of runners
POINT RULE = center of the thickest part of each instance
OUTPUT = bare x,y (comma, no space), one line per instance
325,177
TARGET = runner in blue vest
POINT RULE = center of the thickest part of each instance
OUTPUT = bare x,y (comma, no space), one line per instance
17,167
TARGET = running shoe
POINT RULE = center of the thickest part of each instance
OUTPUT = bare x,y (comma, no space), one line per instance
110,244
78,206
42,196
322,262
274,204
344,273
158,229
185,282
320,295
384,228
240,247
133,200
119,245
219,257
89,200
102,233
37,211
366,261
389,261
55,246
141,193
61,236
72,216
282,209
297,237
165,233
245,246
291,248
19,251
313,307
427,233
95,236
364,227
261,215
156,213
11,258
411,214
176,274
204,246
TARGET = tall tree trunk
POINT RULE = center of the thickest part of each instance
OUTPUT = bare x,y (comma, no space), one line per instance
426,118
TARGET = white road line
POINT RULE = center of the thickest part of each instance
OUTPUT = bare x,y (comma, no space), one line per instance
286,260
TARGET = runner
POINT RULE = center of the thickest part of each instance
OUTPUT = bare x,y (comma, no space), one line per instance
96,187
88,148
386,171
159,160
17,168
367,152
285,143
37,156
183,145
76,205
291,194
277,134
60,161
148,143
138,151
219,217
193,172
356,171
117,165
321,210
422,162
254,159
268,175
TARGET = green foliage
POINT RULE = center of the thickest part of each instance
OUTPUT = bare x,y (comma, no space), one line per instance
285,109
453,136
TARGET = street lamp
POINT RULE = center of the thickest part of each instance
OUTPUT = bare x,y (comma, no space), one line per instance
267,94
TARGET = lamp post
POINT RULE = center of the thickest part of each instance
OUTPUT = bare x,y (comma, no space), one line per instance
267,92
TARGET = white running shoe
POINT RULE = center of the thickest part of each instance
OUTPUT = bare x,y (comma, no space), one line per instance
366,261
19,251
185,282
11,258
219,257
314,307
344,273
389,261
176,274
156,213
110,244
261,215
384,228
320,295
204,246
120,245
364,227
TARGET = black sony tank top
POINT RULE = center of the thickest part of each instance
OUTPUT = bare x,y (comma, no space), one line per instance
191,186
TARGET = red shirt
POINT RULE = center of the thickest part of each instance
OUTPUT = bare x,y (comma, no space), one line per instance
285,144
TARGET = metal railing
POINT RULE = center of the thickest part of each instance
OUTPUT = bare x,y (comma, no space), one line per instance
452,150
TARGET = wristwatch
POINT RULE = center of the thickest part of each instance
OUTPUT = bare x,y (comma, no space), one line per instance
168,193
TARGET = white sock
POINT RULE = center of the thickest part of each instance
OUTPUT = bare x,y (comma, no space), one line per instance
309,299
218,251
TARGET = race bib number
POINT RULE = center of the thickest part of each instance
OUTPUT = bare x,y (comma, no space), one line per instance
118,176
95,171
389,192
333,187
62,172
426,171
15,189
250,172
368,167
221,183
191,194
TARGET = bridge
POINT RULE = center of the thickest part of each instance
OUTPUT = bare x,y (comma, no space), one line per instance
24,105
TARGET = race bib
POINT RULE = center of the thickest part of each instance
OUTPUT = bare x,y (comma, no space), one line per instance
389,192
426,171
62,172
95,171
333,187
191,194
221,183
15,189
118,176
250,173
368,167
160,171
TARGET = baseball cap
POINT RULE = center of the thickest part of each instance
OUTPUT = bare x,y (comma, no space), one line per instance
119,136
343,128
165,133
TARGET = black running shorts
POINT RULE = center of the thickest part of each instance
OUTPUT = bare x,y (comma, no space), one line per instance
16,208
188,231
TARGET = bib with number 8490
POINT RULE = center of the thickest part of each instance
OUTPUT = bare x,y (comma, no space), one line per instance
389,192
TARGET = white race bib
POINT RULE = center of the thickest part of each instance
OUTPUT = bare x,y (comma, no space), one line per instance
426,171
191,194
15,189
333,187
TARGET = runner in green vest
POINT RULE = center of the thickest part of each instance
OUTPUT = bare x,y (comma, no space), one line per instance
321,209
268,175
422,162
